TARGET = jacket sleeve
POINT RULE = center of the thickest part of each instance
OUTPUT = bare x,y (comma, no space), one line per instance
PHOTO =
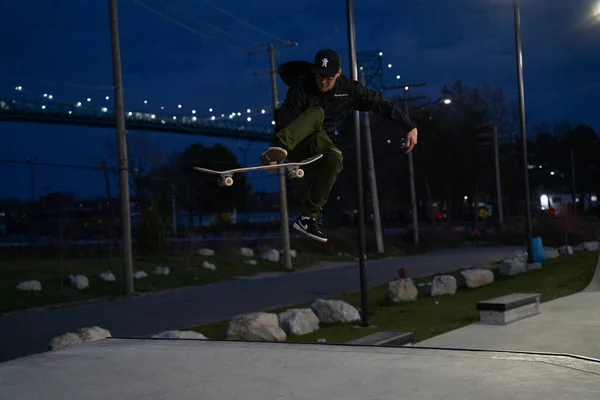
296,102
365,99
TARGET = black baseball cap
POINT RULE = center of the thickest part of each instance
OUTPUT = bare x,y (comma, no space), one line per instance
327,63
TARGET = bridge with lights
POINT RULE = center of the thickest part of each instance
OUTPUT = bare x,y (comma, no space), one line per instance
47,110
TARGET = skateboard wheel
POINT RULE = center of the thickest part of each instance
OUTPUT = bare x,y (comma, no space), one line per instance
299,173
228,181
220,182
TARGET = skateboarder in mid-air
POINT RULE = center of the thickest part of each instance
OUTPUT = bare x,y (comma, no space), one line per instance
313,108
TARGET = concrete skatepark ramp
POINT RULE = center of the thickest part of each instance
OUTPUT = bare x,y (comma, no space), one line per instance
199,369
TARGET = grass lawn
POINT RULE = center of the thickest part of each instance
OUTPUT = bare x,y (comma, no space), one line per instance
185,270
432,316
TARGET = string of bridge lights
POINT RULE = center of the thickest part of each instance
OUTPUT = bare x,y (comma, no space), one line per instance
250,112
231,116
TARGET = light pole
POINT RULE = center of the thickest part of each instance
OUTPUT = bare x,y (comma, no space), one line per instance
411,169
519,58
126,250
283,205
373,180
359,178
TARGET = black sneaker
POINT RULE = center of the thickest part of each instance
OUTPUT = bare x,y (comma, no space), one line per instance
310,227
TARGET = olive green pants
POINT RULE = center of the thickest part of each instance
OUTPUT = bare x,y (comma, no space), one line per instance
303,138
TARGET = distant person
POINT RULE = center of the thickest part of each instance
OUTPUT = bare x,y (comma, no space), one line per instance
312,110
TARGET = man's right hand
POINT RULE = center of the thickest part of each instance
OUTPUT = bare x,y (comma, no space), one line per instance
411,140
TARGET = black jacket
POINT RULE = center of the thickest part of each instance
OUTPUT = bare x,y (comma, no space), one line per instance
346,94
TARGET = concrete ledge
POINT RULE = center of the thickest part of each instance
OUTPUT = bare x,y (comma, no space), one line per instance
385,339
510,308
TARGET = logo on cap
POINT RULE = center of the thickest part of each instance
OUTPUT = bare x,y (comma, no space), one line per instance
325,61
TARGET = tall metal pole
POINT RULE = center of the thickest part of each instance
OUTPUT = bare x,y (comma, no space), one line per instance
498,183
174,209
122,149
359,182
285,229
411,176
372,180
519,57
573,192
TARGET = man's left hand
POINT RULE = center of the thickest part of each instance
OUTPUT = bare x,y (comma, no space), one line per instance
411,140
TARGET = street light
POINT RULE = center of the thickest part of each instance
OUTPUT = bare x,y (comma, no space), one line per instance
359,182
519,59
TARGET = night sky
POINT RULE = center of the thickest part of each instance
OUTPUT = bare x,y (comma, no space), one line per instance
194,55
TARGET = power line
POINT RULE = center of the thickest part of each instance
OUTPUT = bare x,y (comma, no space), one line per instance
249,25
198,20
181,24
169,19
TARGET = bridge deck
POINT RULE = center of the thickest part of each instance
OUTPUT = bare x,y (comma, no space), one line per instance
191,369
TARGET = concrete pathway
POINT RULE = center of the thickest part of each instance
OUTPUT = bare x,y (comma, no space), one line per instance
29,333
134,369
567,325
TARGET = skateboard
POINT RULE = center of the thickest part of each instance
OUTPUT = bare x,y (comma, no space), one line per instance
294,170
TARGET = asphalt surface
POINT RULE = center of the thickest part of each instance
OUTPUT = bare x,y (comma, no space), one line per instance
30,332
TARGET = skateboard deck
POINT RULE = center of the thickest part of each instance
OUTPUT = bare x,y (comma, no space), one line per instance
294,170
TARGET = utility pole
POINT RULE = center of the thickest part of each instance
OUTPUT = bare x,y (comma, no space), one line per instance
174,209
283,208
498,183
110,209
372,179
411,175
573,192
411,169
122,149
362,243
523,126
285,228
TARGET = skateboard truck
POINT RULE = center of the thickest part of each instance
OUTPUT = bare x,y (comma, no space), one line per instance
225,180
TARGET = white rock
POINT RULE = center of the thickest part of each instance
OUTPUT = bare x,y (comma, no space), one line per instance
30,286
206,252
79,281
107,276
270,255
518,255
512,267
89,334
207,265
250,262
298,321
443,285
63,341
179,335
293,253
161,271
140,275
477,277
532,266
246,252
550,253
564,250
402,290
70,339
256,326
335,311
591,246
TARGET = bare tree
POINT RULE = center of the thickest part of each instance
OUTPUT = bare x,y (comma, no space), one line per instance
144,154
